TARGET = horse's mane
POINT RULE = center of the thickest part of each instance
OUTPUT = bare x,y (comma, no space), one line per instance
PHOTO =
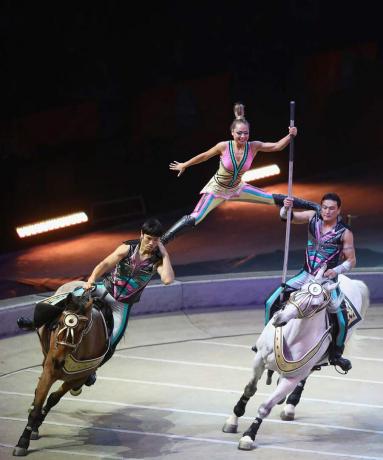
76,304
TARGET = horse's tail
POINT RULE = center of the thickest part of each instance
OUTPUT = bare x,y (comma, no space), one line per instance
365,297
365,293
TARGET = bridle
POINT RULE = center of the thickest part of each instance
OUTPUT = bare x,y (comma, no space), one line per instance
69,324
302,300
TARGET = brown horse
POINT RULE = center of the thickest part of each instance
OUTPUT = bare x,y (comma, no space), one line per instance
74,345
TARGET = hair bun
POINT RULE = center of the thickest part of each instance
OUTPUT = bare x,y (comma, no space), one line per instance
239,111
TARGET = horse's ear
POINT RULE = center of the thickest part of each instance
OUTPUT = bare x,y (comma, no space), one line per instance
69,297
331,286
319,275
89,305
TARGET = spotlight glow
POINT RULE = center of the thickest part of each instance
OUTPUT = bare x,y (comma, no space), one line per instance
52,224
260,173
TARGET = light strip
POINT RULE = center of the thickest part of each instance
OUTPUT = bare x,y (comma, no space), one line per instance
52,224
260,173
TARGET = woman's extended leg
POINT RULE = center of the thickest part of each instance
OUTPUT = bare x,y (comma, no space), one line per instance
253,194
206,204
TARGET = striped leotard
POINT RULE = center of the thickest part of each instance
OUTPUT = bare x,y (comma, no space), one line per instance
227,184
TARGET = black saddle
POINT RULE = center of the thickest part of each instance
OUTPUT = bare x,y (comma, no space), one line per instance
100,304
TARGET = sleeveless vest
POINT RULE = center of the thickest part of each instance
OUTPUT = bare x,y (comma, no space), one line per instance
129,278
323,249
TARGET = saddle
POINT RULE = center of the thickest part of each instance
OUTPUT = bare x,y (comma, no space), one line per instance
106,311
47,313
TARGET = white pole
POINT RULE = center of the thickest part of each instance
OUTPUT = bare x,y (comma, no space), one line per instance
289,194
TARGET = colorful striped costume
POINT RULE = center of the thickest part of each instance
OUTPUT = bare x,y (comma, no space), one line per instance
123,286
321,249
226,184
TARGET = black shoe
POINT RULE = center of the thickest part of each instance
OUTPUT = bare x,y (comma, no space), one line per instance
183,223
343,363
26,324
298,203
91,380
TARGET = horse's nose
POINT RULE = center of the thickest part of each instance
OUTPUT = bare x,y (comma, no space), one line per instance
277,321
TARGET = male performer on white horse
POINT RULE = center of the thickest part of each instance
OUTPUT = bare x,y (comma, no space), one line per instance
330,242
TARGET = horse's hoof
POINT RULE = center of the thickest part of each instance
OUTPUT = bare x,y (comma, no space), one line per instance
35,436
19,451
75,391
246,443
230,428
286,417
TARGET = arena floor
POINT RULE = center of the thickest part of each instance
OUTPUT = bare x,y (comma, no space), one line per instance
173,381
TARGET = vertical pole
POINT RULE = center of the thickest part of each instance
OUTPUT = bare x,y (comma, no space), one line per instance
289,194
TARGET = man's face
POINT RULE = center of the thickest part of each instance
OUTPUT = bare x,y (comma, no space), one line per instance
329,210
148,242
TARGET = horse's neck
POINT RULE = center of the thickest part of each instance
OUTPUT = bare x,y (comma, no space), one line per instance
306,330
95,339
44,335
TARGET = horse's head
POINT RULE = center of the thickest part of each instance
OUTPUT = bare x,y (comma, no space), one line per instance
313,297
74,321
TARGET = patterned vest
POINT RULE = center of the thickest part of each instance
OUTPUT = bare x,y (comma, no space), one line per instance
129,278
323,249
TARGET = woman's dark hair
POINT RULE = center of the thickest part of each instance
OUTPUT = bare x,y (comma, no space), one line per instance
152,227
239,112
332,197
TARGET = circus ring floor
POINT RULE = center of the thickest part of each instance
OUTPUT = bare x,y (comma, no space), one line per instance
173,381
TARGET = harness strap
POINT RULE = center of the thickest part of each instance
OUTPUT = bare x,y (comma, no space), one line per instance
287,366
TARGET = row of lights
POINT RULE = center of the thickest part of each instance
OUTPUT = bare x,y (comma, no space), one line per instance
52,224
81,217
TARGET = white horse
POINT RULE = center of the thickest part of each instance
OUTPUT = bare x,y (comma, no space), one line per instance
294,341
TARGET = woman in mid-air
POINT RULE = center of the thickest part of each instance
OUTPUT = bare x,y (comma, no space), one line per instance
236,157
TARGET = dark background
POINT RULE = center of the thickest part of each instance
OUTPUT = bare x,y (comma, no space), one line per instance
98,97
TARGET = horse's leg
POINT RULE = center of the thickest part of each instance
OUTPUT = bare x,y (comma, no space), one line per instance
231,423
53,399
35,416
283,389
288,412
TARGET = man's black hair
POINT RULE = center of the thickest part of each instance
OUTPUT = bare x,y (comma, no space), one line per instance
332,197
152,227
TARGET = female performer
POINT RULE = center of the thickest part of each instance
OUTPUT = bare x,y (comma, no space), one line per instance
236,157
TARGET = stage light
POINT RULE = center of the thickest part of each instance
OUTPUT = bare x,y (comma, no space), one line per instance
260,173
52,224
